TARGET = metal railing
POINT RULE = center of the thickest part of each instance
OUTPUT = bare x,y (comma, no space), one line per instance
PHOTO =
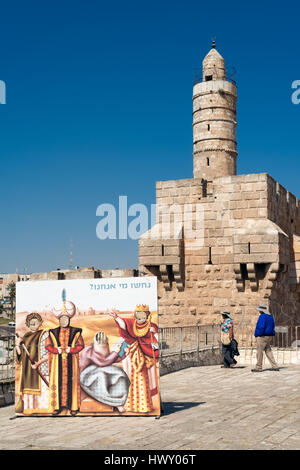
199,78
286,337
179,339
7,357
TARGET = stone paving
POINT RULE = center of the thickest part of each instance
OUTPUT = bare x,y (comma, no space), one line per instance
205,408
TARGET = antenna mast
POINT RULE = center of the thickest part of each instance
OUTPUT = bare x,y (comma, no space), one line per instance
71,255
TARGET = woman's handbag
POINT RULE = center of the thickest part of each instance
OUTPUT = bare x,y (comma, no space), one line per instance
234,346
225,339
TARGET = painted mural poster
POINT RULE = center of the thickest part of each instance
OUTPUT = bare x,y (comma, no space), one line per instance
87,347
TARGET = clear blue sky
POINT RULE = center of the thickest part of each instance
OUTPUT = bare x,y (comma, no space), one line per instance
99,104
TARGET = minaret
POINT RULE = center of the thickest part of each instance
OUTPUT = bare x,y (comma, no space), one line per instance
214,120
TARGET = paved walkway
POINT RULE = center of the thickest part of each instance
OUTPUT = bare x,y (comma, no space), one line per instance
206,408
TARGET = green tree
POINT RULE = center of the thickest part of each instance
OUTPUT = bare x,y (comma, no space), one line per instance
12,297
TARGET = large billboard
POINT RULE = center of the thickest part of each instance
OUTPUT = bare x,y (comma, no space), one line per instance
87,347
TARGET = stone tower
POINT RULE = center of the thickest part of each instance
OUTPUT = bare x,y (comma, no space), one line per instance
248,252
214,120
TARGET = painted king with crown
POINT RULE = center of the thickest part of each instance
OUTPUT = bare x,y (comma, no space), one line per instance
140,364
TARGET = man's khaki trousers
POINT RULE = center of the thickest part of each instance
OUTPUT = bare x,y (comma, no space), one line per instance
264,345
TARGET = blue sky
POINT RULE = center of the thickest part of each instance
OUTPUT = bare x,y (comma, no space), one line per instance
99,104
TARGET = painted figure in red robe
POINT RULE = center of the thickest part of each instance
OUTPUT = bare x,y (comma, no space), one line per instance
141,336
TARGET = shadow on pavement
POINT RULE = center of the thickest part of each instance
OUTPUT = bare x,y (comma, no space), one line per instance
170,407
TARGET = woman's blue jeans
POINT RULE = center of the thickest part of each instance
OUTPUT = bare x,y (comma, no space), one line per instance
228,355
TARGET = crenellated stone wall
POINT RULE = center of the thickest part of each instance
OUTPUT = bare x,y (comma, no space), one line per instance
243,258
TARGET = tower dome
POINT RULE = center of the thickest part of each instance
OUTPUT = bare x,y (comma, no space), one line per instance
213,66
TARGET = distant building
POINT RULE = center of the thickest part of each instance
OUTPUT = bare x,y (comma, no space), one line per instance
83,273
78,273
6,279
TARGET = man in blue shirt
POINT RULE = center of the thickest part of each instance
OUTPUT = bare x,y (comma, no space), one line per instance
264,332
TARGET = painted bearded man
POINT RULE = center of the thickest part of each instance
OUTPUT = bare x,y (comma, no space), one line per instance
64,344
141,336
33,391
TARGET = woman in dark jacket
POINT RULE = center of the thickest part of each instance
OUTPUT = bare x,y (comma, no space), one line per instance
227,340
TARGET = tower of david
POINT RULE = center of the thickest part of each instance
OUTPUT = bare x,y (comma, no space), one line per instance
247,247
